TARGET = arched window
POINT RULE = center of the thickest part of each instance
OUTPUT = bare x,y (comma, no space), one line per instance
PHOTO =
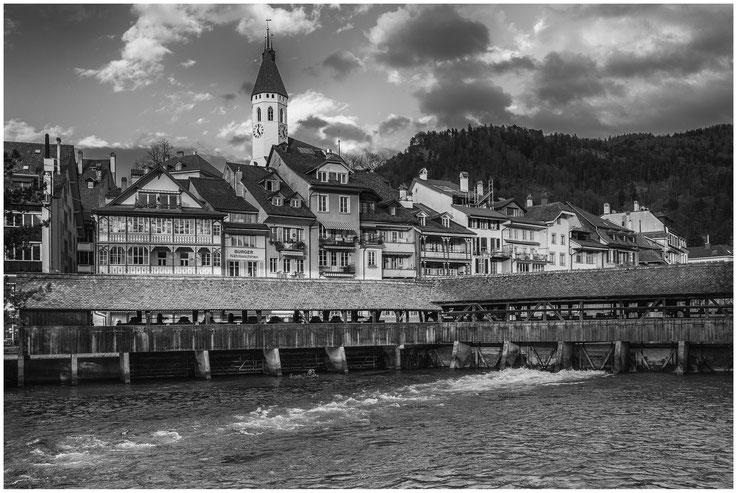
270,114
258,114
281,115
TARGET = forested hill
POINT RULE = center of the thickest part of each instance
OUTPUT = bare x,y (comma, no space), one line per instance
688,175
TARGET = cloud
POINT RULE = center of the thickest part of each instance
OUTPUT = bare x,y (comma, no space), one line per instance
313,122
346,27
158,27
311,103
346,131
188,63
342,63
229,97
20,131
564,77
236,133
202,121
411,36
456,105
92,141
246,87
392,124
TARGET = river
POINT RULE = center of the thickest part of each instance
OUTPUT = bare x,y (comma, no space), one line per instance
415,429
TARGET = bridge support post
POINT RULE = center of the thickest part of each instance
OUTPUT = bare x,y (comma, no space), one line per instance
682,358
203,364
460,355
621,357
564,356
273,362
21,370
510,353
125,367
74,369
398,357
337,358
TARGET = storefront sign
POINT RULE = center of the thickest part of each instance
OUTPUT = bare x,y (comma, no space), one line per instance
243,254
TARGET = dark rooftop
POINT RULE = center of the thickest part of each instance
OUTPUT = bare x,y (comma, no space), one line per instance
220,195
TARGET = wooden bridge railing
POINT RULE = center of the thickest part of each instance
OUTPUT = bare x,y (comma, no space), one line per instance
151,338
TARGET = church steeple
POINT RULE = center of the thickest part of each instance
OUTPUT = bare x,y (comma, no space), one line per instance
269,101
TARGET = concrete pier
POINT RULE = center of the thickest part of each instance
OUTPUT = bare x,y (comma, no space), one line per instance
203,364
510,353
460,356
563,356
337,358
273,362
74,369
620,362
682,358
125,367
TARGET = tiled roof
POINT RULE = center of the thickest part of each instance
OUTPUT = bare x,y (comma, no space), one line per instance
377,183
601,228
252,175
525,221
302,158
268,78
710,251
192,162
94,197
481,212
107,292
650,257
24,154
547,212
220,195
710,278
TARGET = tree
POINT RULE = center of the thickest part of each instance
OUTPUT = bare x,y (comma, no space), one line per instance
19,199
16,300
156,154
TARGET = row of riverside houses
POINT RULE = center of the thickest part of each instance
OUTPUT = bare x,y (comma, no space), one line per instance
297,210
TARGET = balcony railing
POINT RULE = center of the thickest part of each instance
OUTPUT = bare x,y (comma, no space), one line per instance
338,241
337,269
288,245
367,240
159,269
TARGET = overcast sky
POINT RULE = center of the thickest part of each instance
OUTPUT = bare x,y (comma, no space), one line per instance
112,76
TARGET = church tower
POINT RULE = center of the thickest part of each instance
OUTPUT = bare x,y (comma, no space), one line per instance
269,100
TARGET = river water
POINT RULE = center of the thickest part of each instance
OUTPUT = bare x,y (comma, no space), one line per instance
416,429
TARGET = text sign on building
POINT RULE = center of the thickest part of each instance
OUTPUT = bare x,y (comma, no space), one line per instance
242,254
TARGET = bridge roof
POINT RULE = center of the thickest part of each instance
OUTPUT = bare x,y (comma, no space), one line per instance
680,280
174,293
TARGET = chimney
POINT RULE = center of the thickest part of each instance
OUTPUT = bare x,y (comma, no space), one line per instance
402,192
123,184
636,207
528,203
194,153
80,162
544,199
58,152
98,174
607,209
47,150
113,166
707,244
181,153
480,188
423,174
463,181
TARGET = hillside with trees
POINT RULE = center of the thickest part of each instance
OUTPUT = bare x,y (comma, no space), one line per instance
688,176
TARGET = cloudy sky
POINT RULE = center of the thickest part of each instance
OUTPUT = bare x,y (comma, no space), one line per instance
121,76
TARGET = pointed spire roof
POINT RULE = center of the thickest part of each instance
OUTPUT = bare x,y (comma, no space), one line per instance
269,79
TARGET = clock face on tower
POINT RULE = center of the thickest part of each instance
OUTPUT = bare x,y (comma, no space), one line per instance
283,131
258,130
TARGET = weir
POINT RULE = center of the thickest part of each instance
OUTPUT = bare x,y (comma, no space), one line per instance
677,318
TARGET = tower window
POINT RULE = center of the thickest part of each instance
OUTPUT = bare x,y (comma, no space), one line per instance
281,115
270,114
258,114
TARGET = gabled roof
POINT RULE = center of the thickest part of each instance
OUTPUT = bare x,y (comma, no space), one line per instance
268,78
303,158
217,193
190,163
254,175
376,183
434,224
651,257
547,213
481,212
117,203
602,228
709,251
25,154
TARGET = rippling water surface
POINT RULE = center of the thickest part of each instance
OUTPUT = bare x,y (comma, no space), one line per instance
421,429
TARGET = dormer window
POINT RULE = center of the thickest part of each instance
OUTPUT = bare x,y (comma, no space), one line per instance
270,185
367,207
422,221
277,201
322,176
446,222
296,203
393,210
178,167
90,184
342,178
